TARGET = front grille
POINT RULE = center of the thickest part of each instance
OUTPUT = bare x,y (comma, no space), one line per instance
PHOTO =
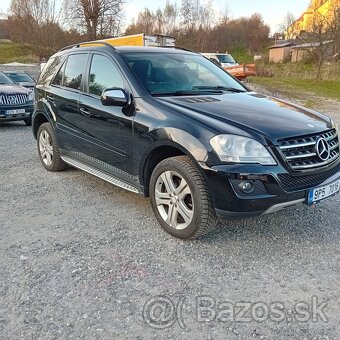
301,152
13,99
292,183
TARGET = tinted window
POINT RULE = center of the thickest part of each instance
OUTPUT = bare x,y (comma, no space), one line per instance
225,58
4,79
50,70
58,80
167,73
75,67
20,77
103,75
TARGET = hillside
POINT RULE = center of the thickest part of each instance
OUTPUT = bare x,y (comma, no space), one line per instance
10,52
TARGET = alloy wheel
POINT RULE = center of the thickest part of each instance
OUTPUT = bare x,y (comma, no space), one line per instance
46,147
174,200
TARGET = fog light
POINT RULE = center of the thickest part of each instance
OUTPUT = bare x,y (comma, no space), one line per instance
246,187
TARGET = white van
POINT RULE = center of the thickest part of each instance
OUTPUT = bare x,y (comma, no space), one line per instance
223,59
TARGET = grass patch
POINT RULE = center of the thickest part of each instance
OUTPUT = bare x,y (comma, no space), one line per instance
241,55
10,52
292,87
329,71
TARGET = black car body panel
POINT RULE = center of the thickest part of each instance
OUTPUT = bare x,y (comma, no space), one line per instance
126,143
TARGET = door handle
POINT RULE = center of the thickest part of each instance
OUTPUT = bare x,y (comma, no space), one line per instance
85,112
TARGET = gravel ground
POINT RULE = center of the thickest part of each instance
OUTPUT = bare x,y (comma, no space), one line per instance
80,258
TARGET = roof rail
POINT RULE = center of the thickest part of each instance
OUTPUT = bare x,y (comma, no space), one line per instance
87,43
178,48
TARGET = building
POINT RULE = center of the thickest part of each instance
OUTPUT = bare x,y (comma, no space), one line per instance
318,8
301,52
280,53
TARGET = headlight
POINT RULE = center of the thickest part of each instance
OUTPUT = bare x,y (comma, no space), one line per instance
334,124
237,149
31,96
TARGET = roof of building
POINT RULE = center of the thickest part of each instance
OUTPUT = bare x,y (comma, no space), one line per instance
287,44
312,44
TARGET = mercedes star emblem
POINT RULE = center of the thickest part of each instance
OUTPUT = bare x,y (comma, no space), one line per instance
322,149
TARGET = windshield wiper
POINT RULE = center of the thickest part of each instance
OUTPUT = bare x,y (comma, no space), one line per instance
193,92
221,88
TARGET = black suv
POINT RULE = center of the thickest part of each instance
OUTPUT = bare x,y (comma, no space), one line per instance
170,124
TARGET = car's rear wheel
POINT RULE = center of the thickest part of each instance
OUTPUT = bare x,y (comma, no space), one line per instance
180,199
48,149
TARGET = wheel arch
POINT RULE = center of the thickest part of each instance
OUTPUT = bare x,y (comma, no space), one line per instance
39,118
183,144
43,114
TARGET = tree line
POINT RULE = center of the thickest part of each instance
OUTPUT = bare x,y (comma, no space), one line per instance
194,23
197,26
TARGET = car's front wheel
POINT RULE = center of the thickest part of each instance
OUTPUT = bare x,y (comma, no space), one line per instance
48,149
180,199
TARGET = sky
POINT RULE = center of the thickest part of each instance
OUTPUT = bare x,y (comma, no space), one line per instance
271,10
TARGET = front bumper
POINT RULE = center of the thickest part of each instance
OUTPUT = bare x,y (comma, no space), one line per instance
5,117
271,192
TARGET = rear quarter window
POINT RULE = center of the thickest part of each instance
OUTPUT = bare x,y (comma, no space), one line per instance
50,69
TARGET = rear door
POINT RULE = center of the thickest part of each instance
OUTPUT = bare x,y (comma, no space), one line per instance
63,96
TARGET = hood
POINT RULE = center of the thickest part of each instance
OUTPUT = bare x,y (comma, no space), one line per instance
270,117
13,89
26,84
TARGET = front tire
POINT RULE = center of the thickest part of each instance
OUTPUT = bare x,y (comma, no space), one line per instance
48,149
180,199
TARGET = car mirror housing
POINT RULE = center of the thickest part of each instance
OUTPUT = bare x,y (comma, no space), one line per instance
115,97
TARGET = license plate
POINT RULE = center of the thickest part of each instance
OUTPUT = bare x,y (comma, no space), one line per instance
318,194
15,112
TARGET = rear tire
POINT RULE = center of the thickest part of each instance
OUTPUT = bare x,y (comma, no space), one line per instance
48,149
180,199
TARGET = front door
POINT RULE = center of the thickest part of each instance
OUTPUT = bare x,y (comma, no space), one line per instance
108,130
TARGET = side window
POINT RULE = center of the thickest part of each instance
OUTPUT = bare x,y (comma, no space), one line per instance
74,70
103,75
58,79
49,70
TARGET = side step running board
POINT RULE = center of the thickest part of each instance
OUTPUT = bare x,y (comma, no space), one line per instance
98,173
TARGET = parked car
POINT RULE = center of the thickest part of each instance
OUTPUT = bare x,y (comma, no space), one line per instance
16,102
225,60
21,78
170,124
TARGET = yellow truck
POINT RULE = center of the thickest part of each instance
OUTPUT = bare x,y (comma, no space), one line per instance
141,39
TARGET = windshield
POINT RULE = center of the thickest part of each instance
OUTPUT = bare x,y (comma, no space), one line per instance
4,79
20,77
180,74
225,58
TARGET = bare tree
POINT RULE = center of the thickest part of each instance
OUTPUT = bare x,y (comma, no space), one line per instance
195,27
171,16
287,22
317,38
322,35
95,18
35,22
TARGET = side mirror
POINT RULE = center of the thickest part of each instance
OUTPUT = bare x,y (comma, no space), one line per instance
215,61
115,97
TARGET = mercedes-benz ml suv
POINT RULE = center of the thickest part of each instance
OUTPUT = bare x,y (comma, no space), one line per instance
16,102
170,124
